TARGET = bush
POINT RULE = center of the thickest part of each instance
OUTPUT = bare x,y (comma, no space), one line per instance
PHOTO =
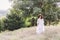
27,22
1,25
13,21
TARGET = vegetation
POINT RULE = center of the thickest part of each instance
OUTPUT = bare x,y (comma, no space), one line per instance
51,33
22,12
13,21
31,8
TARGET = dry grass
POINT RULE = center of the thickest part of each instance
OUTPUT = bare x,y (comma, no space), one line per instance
51,33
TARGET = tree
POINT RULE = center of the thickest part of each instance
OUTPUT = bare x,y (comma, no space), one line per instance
31,8
14,20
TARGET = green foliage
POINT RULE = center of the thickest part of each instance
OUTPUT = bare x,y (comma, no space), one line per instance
58,13
23,11
13,21
27,22
31,8
1,25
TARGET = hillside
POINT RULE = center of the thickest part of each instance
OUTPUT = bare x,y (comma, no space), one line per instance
51,33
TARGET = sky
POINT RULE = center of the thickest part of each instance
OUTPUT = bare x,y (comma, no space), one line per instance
58,4
4,4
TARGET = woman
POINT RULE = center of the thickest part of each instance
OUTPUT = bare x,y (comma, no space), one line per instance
40,24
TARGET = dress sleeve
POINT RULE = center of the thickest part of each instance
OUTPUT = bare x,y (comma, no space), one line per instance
37,21
43,20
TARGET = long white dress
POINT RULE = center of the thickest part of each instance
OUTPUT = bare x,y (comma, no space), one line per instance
40,26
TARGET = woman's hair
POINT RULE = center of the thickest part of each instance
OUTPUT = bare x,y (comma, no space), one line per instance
40,15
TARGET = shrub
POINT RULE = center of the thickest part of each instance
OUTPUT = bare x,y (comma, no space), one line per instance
1,25
13,21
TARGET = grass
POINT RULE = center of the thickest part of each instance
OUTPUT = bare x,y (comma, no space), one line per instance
51,33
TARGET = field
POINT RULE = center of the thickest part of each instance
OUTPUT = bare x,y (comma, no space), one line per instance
51,33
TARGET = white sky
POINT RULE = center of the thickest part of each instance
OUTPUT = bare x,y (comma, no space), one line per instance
58,4
4,4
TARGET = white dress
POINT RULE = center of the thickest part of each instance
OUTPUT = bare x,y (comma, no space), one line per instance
40,26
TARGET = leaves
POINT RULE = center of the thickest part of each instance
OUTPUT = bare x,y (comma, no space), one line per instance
31,8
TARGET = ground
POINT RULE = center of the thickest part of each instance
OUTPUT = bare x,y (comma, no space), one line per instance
51,33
